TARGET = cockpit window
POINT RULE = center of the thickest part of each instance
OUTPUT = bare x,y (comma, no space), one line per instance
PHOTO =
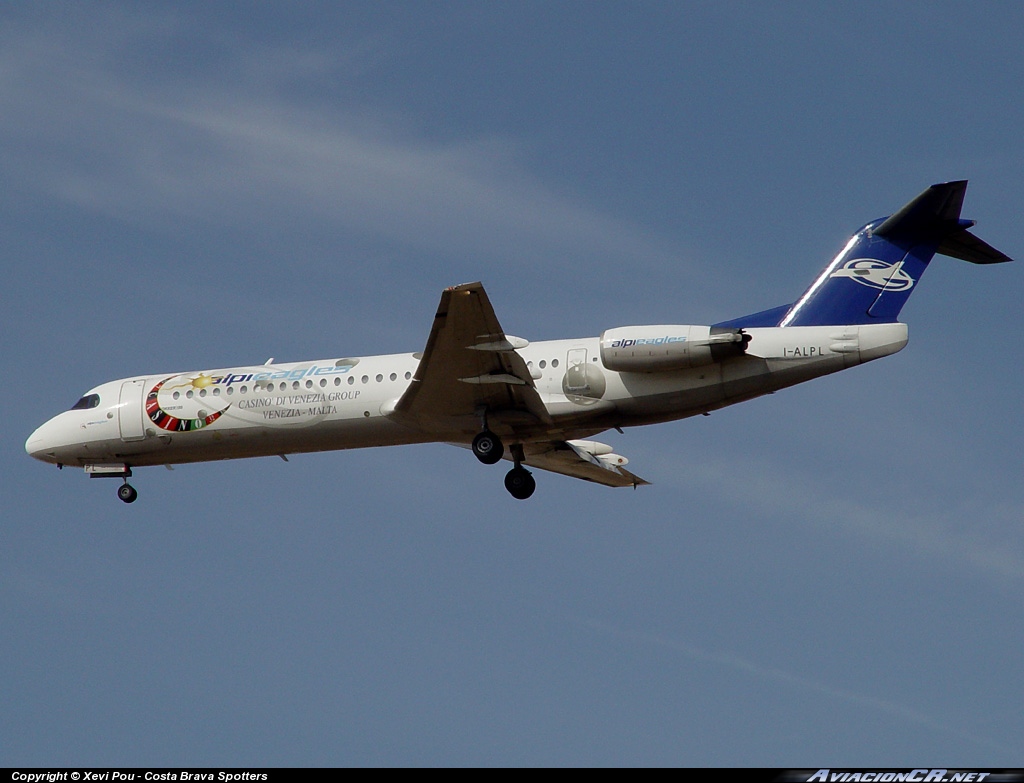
88,401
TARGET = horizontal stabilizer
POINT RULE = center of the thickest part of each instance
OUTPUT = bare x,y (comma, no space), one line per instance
933,214
967,247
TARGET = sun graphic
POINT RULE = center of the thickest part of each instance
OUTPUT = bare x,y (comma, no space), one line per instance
201,381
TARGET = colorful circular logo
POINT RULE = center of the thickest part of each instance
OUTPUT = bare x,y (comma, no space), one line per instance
172,423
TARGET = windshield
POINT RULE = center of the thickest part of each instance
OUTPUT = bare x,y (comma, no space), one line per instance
88,401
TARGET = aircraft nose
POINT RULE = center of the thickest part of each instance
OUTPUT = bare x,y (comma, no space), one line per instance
44,442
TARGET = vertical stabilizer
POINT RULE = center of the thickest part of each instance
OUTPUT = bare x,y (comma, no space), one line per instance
874,275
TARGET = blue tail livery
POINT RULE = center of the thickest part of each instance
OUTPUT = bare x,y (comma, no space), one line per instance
875,274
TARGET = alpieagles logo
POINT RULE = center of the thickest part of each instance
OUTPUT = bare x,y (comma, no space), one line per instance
876,274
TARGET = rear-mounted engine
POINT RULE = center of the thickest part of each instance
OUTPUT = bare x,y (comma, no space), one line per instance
662,348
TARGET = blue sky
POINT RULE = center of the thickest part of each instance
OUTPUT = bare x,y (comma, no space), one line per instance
828,576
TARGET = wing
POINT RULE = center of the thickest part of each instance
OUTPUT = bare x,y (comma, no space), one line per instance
469,369
582,459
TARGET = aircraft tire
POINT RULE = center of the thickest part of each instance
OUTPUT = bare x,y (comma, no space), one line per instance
488,447
520,483
127,493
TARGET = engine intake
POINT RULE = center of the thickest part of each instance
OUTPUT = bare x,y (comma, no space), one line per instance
670,347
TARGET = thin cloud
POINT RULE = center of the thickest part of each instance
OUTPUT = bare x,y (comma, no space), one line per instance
238,149
979,542
772,674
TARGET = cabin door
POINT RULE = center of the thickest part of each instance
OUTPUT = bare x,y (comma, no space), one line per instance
130,417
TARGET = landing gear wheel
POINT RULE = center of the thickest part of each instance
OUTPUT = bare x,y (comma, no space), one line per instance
127,493
488,447
520,483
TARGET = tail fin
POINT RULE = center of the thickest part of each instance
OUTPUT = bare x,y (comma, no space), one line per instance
874,275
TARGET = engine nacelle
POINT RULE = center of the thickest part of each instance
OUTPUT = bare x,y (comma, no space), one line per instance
673,347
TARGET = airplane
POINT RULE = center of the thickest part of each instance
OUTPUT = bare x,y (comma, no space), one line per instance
536,404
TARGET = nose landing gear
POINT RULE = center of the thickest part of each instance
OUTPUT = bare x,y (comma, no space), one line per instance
127,493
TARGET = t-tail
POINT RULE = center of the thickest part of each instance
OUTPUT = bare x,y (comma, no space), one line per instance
874,275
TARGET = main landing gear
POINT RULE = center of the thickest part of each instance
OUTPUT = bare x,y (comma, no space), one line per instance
520,483
489,449
127,492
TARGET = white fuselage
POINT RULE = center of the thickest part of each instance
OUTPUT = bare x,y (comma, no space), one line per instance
350,403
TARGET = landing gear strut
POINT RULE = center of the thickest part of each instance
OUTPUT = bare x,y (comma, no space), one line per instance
127,493
488,447
519,481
